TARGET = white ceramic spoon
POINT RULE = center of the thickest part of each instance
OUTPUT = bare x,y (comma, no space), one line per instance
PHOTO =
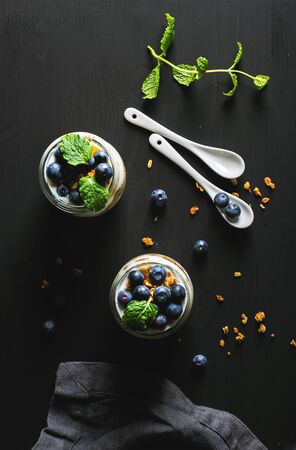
246,217
224,162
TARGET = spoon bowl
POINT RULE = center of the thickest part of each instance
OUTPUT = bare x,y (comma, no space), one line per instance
225,163
246,217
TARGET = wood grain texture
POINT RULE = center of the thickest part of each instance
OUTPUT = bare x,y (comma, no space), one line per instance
77,64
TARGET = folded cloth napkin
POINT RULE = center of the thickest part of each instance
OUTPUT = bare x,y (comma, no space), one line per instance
102,406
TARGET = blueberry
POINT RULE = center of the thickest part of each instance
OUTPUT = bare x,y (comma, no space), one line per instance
62,190
162,295
101,157
232,210
74,197
92,162
136,277
59,155
141,292
49,326
221,200
160,321
54,171
174,310
103,172
125,296
178,292
157,274
199,361
159,197
200,247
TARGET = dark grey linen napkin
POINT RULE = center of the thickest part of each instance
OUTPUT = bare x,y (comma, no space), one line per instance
102,406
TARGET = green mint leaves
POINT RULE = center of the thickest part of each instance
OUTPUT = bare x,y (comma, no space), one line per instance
150,85
138,314
185,74
75,149
94,195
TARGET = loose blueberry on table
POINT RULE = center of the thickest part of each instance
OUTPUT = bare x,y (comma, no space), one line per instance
199,361
81,172
200,247
159,198
151,298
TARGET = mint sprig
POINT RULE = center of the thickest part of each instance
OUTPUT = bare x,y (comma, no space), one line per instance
151,83
75,149
93,194
186,74
139,314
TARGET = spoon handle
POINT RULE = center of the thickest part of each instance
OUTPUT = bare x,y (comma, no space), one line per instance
163,147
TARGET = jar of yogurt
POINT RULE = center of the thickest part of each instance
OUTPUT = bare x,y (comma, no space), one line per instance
72,184
151,296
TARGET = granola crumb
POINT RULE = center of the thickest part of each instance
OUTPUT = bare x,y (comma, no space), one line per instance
225,329
199,187
262,206
76,272
74,185
193,210
257,192
234,181
259,316
149,164
222,343
58,261
272,186
236,194
240,337
228,353
235,330
45,284
262,328
244,319
265,200
293,343
91,173
219,298
237,274
247,186
147,241
267,181
156,219
272,335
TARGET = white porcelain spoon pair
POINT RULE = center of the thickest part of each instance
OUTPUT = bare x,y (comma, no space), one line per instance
224,162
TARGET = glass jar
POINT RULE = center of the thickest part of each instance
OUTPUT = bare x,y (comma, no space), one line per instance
121,282
116,184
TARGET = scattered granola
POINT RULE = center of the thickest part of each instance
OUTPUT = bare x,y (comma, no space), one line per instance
234,181
235,330
237,274
272,335
193,210
240,337
259,316
228,353
147,241
225,329
219,298
156,219
257,192
45,284
247,186
244,319
199,187
262,206
269,183
236,194
58,261
262,328
222,343
76,272
293,343
149,164
265,200
91,173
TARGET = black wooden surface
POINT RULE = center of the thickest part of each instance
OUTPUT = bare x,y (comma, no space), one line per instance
76,65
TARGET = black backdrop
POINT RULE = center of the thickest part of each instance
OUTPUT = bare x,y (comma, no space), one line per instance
76,65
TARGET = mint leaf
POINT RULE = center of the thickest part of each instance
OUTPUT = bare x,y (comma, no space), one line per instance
202,65
150,85
94,195
238,55
235,84
168,35
138,314
185,78
75,149
261,81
